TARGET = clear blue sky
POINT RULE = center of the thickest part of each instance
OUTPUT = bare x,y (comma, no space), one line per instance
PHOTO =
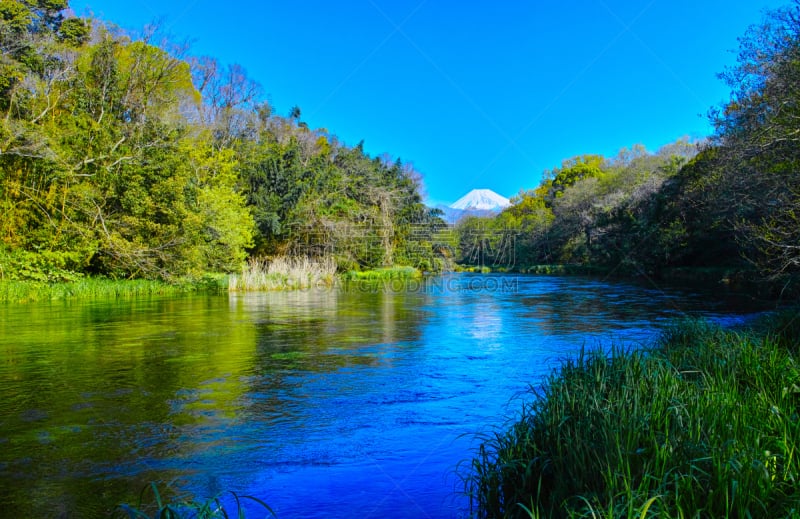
477,94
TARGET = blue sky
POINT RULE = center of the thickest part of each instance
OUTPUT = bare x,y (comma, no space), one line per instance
476,94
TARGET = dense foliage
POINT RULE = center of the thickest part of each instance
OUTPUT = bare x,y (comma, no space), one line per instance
616,212
731,201
125,157
704,425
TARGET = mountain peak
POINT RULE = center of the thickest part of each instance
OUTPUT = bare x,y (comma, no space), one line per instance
481,200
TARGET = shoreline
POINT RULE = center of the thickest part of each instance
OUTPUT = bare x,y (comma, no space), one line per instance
728,280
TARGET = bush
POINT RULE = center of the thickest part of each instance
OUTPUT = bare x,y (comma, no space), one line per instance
45,265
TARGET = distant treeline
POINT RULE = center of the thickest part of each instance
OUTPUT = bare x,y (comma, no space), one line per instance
730,201
124,156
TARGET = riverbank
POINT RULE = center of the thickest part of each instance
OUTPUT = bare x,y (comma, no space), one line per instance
741,279
383,274
276,275
99,288
282,274
705,423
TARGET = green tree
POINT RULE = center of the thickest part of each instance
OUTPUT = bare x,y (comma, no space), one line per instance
571,171
121,157
531,218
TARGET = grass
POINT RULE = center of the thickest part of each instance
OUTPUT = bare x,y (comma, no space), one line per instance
383,274
97,288
564,270
705,424
558,269
473,269
389,279
284,273
212,508
280,273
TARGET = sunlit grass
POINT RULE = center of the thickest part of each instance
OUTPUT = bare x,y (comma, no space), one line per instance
383,274
705,424
284,273
98,288
473,269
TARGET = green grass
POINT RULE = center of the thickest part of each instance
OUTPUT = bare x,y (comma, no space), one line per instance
564,270
213,508
705,424
98,288
474,269
558,269
383,274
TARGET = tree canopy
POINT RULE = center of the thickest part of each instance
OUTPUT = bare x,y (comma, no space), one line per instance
126,157
732,201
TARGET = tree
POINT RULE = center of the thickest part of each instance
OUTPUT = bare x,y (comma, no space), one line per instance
607,211
530,217
122,157
37,68
758,133
571,171
231,100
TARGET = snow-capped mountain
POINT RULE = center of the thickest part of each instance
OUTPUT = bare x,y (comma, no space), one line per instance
478,202
481,200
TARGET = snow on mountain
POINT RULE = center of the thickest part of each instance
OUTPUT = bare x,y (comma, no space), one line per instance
481,200
478,202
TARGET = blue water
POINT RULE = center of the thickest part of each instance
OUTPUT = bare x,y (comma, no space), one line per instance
359,402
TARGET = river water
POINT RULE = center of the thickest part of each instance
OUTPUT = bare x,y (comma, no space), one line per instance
359,402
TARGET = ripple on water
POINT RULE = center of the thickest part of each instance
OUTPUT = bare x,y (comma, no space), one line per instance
323,404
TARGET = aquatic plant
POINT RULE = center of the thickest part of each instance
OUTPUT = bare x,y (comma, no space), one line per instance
212,508
383,274
704,424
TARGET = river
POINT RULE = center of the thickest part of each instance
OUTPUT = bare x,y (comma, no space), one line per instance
358,402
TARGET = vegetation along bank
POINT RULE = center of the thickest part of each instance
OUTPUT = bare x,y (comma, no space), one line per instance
125,157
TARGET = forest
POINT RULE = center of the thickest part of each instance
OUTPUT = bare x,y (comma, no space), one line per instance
730,201
124,156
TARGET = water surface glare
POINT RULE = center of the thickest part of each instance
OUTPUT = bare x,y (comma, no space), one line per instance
338,403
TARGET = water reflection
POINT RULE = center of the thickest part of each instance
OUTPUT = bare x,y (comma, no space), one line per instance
323,403
116,389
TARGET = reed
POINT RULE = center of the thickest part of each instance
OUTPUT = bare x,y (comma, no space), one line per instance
704,424
284,273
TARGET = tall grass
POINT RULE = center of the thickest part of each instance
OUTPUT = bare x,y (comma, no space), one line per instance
706,424
97,288
284,273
